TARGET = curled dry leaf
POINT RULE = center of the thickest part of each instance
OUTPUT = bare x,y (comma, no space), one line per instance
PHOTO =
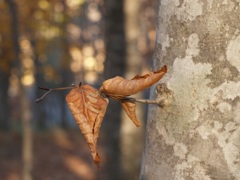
129,107
88,108
118,87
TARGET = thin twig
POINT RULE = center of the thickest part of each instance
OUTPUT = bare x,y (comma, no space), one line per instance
50,90
145,101
42,88
41,98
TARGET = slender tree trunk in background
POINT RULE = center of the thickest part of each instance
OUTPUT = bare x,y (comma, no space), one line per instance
39,112
198,135
114,66
67,77
4,76
27,134
4,112
131,136
26,114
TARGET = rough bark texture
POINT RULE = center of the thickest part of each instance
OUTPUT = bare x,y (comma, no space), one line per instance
198,135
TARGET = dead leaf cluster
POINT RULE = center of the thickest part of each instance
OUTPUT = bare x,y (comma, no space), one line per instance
88,105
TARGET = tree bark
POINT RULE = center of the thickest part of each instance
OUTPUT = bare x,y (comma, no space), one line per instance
25,107
197,135
4,105
114,66
65,71
131,136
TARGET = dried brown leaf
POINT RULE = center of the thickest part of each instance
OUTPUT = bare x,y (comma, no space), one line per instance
118,87
129,107
88,108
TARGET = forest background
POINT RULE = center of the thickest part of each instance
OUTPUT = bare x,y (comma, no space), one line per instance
55,44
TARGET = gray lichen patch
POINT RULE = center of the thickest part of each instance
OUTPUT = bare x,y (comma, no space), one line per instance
209,152
200,129
217,35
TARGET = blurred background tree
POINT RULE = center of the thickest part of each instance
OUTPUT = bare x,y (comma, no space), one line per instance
54,44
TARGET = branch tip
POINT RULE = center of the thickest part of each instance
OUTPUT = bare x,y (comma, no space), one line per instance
49,90
43,88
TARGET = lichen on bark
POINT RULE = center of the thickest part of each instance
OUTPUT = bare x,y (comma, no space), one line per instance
198,134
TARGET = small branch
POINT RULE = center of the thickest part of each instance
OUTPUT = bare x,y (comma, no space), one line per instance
41,98
145,101
42,88
50,90
164,97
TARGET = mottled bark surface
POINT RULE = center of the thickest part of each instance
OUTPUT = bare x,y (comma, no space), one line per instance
198,135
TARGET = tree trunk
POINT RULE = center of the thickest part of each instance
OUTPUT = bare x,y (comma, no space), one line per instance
65,70
24,104
197,135
131,136
114,66
27,133
4,105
